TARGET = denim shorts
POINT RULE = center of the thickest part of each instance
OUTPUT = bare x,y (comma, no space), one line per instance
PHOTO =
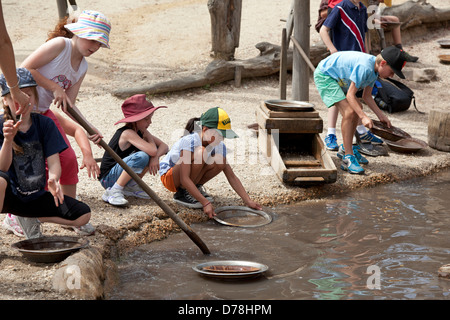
137,161
329,89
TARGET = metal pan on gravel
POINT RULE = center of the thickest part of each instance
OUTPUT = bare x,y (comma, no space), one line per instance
50,249
444,43
407,145
391,134
289,105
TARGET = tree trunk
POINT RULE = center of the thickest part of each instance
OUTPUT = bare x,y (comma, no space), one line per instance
225,27
439,130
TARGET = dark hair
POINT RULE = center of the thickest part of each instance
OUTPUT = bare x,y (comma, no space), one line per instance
60,30
190,126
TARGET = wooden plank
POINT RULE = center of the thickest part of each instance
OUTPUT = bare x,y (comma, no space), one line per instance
285,125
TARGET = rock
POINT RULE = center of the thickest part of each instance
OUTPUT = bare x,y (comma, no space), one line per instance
81,275
444,271
420,74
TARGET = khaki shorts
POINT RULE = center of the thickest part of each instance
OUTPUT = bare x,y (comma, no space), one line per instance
329,89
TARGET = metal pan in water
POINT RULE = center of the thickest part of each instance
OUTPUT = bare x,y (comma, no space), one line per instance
235,269
240,216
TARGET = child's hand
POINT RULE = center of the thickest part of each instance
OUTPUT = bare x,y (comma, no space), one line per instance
61,99
254,205
91,166
385,120
367,122
10,129
55,189
209,210
153,166
95,138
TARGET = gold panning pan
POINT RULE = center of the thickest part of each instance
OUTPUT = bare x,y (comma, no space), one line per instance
391,134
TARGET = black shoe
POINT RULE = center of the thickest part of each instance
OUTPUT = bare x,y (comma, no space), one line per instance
204,193
183,197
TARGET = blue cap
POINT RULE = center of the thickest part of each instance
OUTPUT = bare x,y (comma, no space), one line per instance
25,80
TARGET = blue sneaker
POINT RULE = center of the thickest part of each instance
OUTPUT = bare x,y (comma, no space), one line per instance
359,157
369,137
350,164
331,142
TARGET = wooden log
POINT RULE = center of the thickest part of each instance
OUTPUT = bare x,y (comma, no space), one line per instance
265,64
417,19
439,130
225,27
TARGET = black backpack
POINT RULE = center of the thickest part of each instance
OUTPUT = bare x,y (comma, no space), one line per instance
393,96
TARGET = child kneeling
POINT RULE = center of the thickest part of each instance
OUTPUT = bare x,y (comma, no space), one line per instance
25,146
138,148
198,157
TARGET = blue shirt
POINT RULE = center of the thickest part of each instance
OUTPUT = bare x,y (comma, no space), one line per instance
348,25
27,172
350,66
189,143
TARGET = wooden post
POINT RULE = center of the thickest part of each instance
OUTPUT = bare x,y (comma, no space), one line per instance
62,7
225,27
300,68
439,130
283,65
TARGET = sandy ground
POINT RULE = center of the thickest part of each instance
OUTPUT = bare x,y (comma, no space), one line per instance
159,40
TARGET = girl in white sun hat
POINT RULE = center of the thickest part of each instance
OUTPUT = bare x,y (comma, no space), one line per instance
59,67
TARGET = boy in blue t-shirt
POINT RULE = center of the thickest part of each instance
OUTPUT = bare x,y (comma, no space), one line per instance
25,146
340,76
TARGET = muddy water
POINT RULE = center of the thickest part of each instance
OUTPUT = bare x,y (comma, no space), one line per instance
382,243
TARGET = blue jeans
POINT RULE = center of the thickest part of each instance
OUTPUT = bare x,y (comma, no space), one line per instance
137,161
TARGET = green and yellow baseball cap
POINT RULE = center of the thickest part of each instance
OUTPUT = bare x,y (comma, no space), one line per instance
217,118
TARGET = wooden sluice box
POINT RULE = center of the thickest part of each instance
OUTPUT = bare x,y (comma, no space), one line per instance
289,138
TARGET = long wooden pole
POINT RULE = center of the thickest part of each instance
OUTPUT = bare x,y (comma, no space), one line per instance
300,72
194,237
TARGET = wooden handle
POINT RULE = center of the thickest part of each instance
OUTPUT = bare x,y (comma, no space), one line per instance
194,237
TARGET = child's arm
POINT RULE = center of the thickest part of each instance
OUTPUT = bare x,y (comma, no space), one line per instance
239,188
357,106
367,97
162,149
39,58
54,173
74,130
324,34
6,152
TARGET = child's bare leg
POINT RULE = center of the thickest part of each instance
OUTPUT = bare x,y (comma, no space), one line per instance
348,125
81,221
69,190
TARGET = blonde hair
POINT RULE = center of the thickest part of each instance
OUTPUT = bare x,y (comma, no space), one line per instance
378,59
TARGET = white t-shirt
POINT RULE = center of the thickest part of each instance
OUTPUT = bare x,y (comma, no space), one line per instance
189,143
60,70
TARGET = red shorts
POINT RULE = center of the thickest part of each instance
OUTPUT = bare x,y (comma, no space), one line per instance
68,158
167,180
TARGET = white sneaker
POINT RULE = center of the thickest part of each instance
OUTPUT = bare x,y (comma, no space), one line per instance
114,197
11,224
135,191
